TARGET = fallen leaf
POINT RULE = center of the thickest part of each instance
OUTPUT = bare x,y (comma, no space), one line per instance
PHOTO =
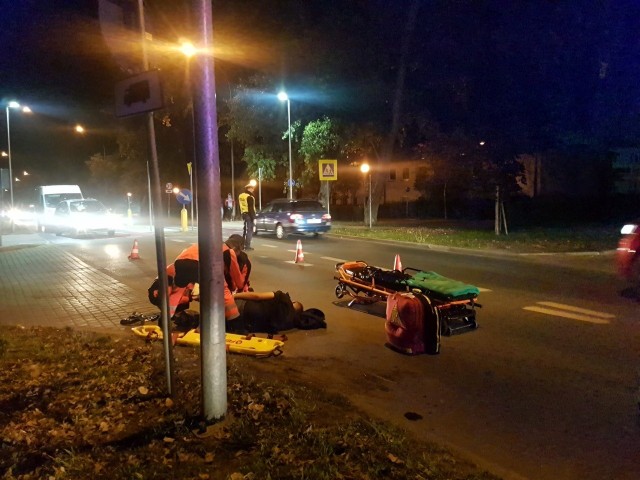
168,440
394,459
168,403
143,390
209,457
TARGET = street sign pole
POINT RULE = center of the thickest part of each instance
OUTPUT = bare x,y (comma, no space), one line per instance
161,254
207,162
189,167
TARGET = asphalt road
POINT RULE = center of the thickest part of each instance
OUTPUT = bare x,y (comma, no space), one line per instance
546,388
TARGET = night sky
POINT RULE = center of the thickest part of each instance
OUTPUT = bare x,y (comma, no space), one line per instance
535,71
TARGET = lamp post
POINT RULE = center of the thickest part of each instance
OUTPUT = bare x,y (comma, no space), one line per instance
14,105
364,168
283,97
129,212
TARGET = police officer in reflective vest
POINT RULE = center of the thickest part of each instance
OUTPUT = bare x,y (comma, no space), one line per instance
247,203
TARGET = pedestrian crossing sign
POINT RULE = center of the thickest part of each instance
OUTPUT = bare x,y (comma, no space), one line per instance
328,169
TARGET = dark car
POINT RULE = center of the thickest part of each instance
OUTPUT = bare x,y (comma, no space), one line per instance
628,253
283,217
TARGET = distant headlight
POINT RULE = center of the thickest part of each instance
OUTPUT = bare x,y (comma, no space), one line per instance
629,229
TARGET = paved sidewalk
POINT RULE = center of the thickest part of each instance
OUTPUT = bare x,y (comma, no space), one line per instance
46,286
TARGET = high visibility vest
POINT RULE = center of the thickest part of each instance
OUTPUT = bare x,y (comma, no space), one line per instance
243,202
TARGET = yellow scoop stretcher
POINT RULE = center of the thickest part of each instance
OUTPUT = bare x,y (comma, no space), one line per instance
242,344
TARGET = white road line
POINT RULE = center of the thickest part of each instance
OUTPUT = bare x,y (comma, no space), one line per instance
332,259
570,308
269,246
485,289
573,316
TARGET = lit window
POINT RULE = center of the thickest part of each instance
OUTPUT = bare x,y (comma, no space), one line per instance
405,174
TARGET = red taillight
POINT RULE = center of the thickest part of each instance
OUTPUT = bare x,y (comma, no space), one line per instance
294,216
326,217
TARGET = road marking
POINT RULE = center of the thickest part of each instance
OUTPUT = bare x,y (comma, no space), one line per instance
485,289
573,313
577,309
269,246
301,264
332,259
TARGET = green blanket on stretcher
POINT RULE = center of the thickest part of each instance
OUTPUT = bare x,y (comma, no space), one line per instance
442,288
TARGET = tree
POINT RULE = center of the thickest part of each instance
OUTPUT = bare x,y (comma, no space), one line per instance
113,175
447,171
252,120
320,139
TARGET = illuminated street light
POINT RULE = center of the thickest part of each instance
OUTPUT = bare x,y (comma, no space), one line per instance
364,168
12,105
79,128
129,212
283,97
188,49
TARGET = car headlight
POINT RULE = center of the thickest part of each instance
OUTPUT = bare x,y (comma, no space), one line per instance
629,228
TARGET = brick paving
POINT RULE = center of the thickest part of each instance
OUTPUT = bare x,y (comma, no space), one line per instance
46,286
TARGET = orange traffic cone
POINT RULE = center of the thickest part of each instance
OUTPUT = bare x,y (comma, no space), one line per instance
397,264
299,254
134,251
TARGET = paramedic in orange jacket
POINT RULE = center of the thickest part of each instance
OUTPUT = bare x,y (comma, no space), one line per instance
234,279
186,268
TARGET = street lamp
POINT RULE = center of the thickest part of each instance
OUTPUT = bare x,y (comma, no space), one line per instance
14,105
283,97
129,212
364,168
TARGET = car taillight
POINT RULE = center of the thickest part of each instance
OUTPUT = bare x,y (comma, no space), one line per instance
326,217
629,229
294,216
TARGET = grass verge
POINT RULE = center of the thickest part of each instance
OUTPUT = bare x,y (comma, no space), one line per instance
78,405
530,240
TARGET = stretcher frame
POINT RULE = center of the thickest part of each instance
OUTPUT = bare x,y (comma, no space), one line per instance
457,314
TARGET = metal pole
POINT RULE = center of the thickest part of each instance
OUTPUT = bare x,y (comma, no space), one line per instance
370,201
150,202
290,169
192,196
233,185
260,188
159,230
9,153
9,158
212,320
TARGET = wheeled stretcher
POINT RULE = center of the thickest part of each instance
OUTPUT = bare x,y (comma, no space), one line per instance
455,301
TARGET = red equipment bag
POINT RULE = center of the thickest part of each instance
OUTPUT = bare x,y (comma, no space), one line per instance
412,324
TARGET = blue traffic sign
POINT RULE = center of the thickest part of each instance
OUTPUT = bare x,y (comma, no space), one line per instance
184,196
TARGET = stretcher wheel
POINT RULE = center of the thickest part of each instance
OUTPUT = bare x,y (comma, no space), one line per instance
340,290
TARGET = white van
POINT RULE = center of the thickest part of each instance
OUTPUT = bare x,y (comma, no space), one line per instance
47,198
